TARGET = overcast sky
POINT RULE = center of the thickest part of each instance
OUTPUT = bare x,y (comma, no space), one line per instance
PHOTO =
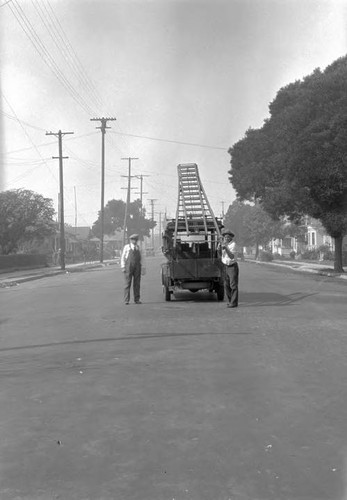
184,79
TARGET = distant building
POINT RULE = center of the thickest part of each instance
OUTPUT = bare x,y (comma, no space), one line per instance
314,237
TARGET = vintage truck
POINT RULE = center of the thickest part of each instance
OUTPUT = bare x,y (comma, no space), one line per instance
190,241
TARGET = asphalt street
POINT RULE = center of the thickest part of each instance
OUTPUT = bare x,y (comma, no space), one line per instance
173,400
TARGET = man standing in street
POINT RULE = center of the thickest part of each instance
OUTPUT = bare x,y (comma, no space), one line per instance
231,283
133,266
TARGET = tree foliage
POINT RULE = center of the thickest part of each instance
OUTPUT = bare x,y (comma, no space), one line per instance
252,225
296,163
25,216
114,214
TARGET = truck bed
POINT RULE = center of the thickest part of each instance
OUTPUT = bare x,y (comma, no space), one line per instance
194,269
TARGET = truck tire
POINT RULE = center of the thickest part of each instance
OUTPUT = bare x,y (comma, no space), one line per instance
167,293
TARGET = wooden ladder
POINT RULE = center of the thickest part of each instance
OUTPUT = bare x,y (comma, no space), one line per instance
194,214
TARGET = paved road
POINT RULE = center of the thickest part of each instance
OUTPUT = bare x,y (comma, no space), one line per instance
179,400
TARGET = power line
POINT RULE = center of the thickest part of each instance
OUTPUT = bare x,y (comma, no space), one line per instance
174,142
40,47
64,47
27,135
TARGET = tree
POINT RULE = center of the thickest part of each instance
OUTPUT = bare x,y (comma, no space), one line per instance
296,164
25,216
114,214
235,220
253,225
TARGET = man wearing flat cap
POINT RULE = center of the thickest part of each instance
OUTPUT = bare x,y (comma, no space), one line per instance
228,257
133,266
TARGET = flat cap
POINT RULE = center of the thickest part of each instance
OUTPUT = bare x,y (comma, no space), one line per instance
134,236
230,233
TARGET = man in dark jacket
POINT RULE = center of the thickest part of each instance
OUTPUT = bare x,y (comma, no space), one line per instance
133,266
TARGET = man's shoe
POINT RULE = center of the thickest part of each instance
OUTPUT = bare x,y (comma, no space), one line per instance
228,304
126,303
138,302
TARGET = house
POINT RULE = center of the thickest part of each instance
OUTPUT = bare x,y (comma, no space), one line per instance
313,237
78,246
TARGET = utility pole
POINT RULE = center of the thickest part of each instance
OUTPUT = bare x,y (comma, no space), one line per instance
125,231
159,226
75,209
103,128
141,193
152,200
222,202
61,197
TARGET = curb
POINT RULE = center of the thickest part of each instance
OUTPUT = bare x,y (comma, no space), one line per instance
22,279
302,268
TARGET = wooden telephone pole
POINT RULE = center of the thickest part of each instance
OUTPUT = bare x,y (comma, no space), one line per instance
103,128
61,194
152,200
125,231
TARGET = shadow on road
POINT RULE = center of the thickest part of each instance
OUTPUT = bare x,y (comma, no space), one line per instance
251,299
198,296
117,339
271,299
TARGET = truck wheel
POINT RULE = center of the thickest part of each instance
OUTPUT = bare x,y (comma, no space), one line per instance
167,293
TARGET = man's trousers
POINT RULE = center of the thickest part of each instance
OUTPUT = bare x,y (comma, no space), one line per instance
132,275
231,284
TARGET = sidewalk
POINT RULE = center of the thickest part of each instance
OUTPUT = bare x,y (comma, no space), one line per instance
321,269
15,277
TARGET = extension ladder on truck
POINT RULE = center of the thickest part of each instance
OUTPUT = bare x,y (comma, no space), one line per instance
194,213
190,242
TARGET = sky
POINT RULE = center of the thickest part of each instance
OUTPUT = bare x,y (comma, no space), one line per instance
184,80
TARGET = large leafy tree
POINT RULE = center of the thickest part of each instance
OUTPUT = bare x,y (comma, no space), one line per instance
114,214
296,164
25,216
235,219
252,225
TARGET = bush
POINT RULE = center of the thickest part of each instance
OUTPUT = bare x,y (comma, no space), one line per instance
310,255
265,256
329,255
292,254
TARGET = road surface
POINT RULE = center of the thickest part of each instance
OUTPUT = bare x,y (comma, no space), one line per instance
184,400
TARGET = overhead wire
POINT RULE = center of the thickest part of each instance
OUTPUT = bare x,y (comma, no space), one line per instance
46,15
75,61
43,52
28,136
173,141
62,44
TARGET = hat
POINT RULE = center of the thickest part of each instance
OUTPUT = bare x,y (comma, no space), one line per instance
228,232
134,237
